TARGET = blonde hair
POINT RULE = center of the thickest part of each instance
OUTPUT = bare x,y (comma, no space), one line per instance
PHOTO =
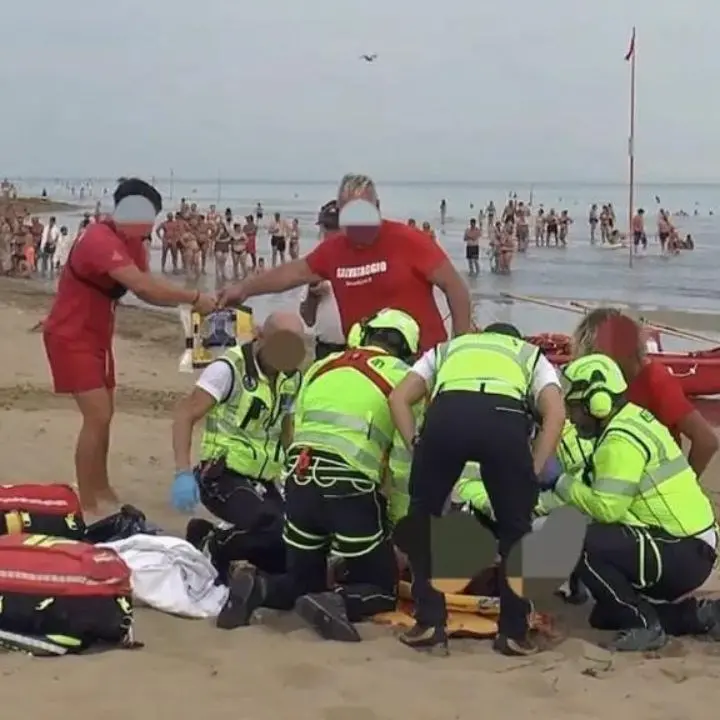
584,338
354,186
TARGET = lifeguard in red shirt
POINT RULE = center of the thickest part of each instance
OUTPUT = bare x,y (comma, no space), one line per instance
650,385
373,263
107,260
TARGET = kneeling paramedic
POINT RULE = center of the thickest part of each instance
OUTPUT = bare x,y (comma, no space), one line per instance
246,399
653,538
334,502
484,388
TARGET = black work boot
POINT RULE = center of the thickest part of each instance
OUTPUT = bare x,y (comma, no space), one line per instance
641,639
708,615
247,594
326,614
514,647
426,637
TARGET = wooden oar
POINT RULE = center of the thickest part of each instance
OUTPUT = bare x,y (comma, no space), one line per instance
540,301
667,329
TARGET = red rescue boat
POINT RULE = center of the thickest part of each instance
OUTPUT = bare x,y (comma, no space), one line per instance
698,371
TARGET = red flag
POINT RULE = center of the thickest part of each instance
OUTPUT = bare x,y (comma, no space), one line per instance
631,49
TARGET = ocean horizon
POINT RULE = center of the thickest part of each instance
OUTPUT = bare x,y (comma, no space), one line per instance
581,271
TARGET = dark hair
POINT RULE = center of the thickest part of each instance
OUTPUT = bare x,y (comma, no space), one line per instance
502,328
329,215
391,339
135,186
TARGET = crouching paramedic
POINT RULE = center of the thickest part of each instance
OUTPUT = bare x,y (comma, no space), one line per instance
482,387
246,399
334,501
653,539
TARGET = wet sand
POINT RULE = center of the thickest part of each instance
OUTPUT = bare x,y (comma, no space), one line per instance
189,669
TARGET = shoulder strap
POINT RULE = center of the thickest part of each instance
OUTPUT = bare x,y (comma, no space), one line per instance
357,359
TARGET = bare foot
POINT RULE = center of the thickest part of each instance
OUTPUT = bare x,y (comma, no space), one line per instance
108,498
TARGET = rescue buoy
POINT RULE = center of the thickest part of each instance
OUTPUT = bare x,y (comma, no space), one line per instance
551,342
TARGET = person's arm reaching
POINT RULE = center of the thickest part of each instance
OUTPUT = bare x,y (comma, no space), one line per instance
188,413
430,260
277,280
446,277
215,384
156,291
672,408
618,464
703,441
551,408
409,391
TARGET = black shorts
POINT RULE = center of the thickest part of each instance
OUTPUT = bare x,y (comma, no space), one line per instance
472,252
639,238
663,236
552,229
278,242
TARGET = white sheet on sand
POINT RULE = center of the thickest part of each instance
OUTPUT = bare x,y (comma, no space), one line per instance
170,575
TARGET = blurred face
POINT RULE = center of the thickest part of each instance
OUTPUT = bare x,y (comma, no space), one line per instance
360,220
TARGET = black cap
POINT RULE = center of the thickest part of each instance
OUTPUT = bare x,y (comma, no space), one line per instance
502,328
328,216
128,187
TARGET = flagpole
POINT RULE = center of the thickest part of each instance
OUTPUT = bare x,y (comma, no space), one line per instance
631,147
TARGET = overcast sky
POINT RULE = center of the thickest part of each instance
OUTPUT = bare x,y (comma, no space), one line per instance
462,89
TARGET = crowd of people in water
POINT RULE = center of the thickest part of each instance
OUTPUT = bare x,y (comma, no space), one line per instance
190,236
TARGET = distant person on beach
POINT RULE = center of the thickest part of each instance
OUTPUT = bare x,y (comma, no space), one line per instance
167,232
664,229
443,211
593,222
277,229
638,230
651,386
108,260
373,263
48,247
294,239
472,247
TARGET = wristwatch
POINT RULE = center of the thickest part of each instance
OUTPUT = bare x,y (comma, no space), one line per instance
415,439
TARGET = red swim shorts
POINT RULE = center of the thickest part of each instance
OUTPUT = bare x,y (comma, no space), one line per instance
78,369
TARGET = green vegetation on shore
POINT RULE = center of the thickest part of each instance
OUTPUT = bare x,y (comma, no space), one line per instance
36,205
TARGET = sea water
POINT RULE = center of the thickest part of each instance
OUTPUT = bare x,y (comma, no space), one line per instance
580,271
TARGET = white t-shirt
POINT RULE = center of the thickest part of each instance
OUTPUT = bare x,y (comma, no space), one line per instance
51,234
543,375
217,380
327,318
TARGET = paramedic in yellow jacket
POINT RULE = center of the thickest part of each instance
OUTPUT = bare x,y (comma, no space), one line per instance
245,400
653,539
485,388
334,502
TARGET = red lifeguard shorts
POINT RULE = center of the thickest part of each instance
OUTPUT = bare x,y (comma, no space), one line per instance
77,369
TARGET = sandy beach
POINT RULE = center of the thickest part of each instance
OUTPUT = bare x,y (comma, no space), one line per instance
188,669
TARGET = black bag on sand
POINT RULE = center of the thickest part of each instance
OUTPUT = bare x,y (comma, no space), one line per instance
61,596
41,509
128,521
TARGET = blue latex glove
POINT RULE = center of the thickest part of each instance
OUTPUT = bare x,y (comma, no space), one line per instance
550,474
185,491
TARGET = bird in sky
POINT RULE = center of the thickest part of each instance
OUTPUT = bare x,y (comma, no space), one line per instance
369,58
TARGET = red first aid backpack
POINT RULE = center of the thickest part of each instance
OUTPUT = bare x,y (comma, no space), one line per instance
41,509
65,592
